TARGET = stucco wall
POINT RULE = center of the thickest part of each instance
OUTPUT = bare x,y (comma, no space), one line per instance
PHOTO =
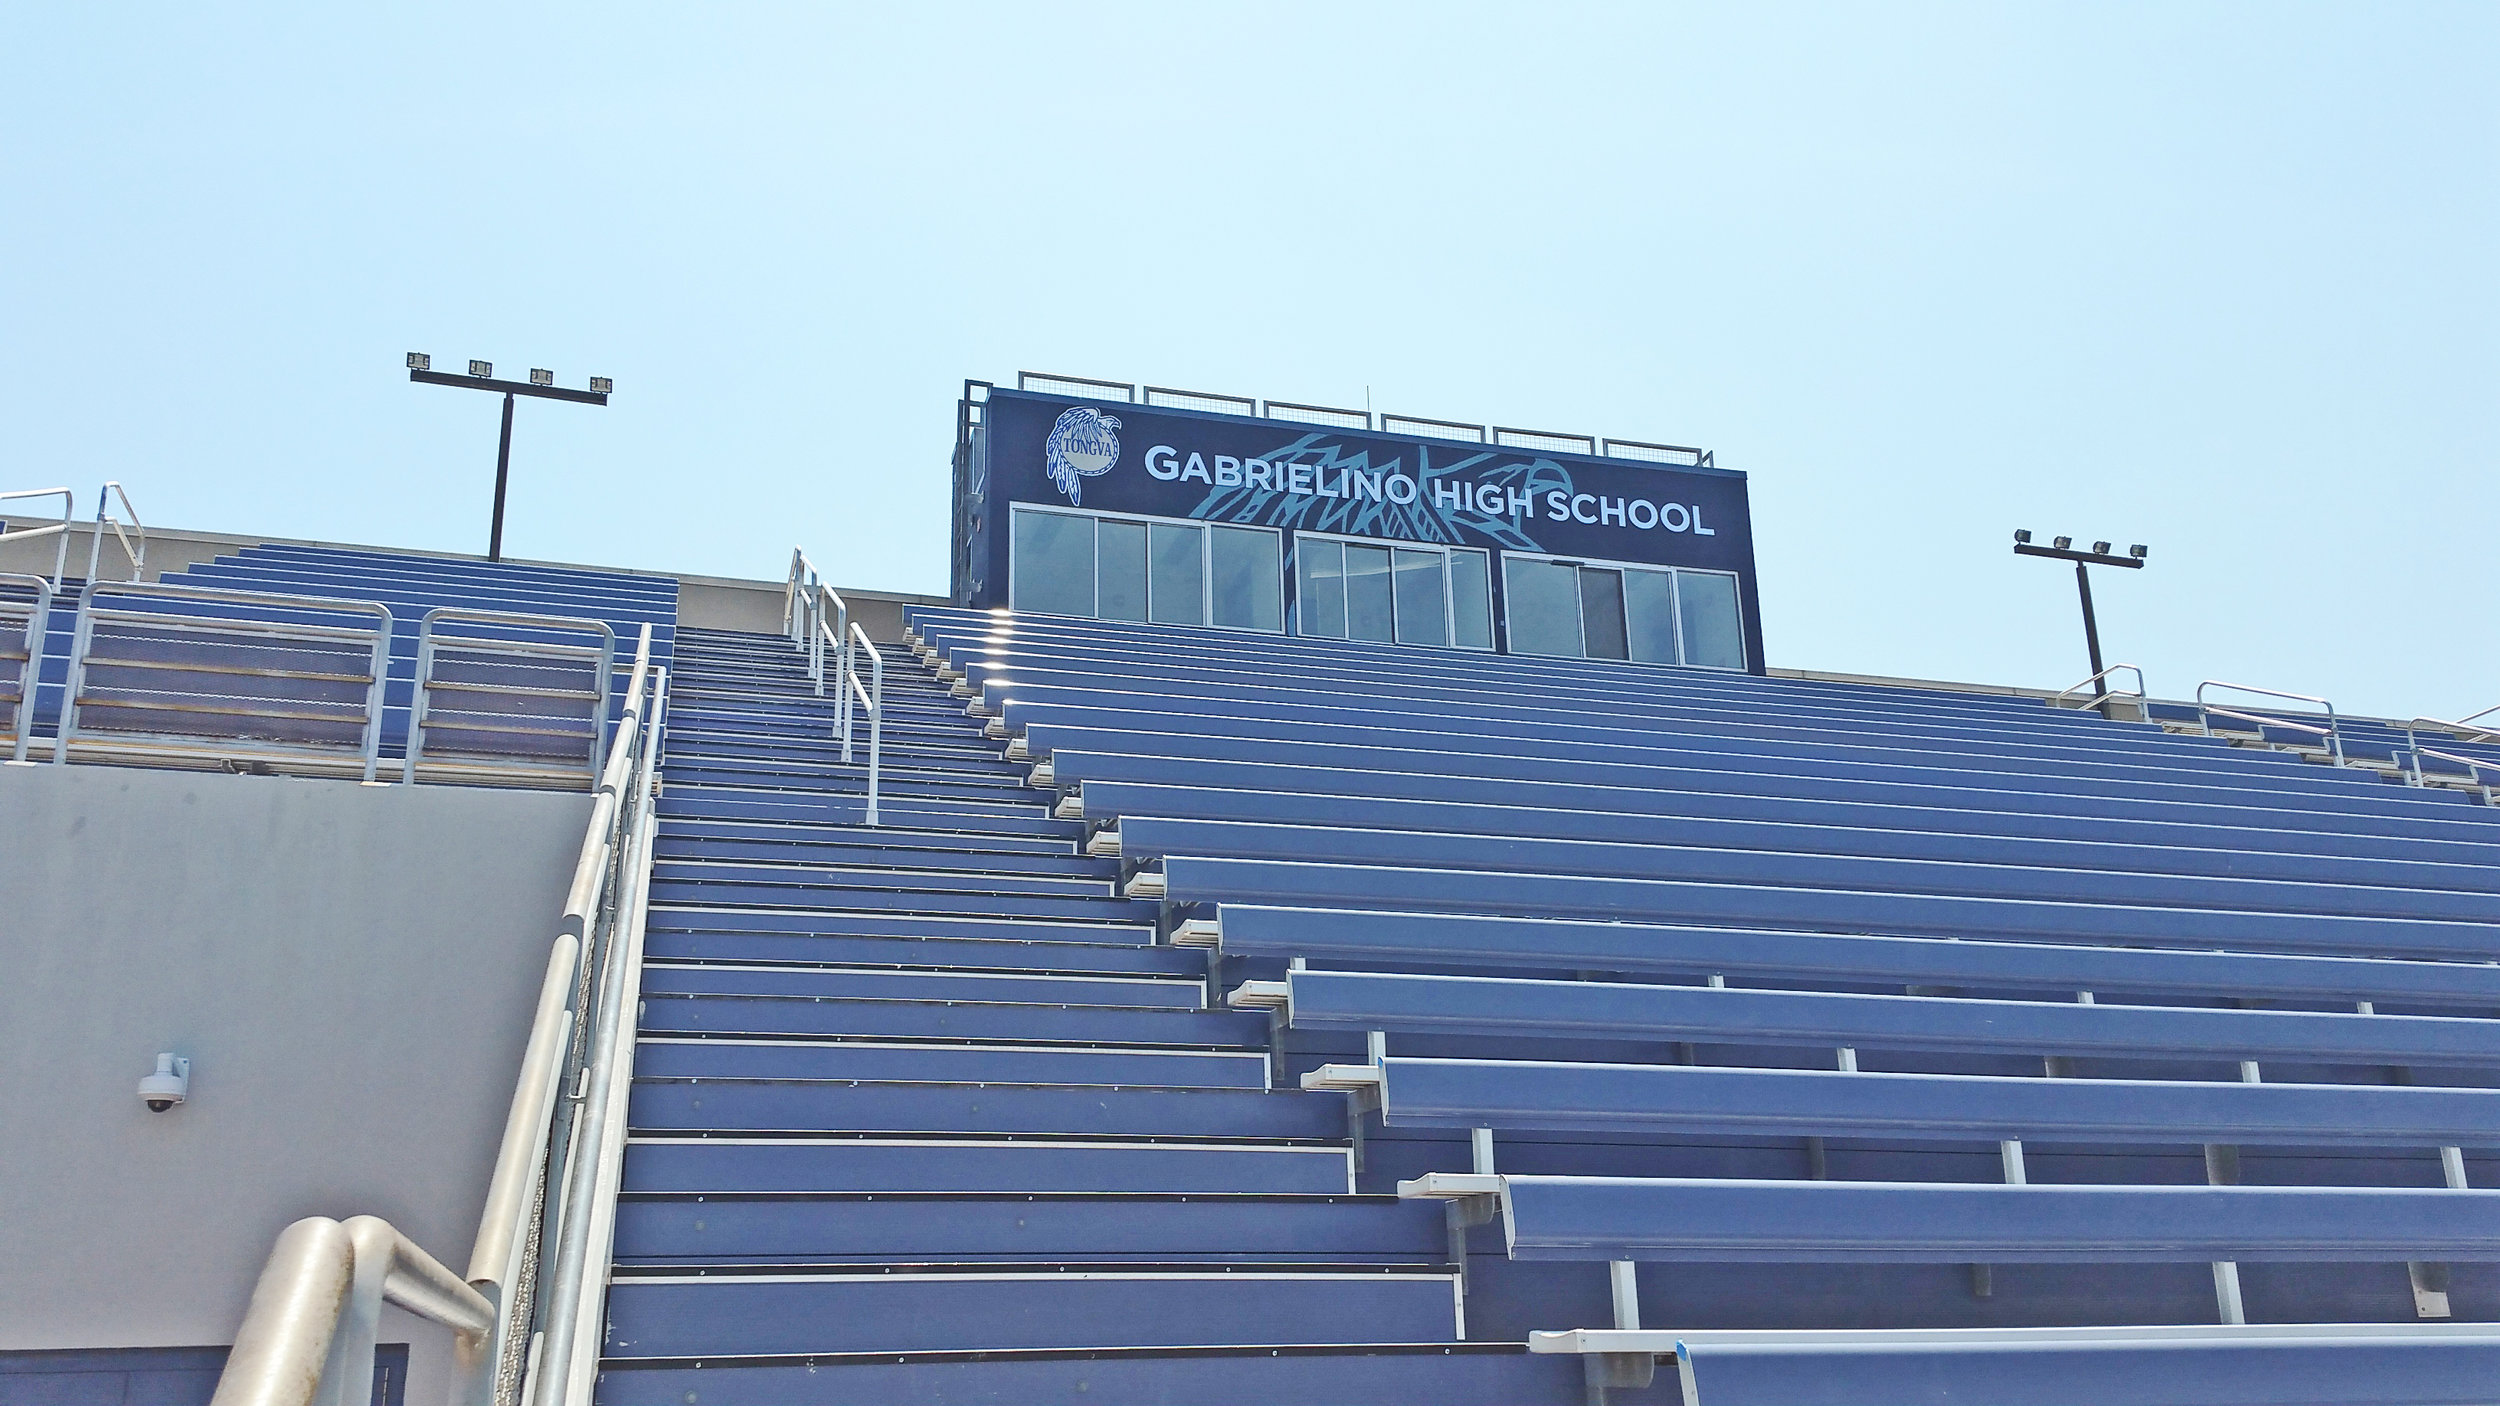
350,969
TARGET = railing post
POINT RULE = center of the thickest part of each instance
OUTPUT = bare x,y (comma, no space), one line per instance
876,727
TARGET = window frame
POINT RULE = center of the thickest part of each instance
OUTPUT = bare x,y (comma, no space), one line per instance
1449,597
1735,580
1206,564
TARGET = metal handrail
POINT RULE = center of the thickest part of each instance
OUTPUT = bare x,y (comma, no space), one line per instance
603,674
69,509
29,679
308,1335
2473,767
105,517
874,702
2141,694
2332,732
529,1163
369,750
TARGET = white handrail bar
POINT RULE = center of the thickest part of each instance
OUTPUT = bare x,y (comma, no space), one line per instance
875,704
2332,732
835,634
69,509
427,640
2141,688
104,518
38,630
308,1335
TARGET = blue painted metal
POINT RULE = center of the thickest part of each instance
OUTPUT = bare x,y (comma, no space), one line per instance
1189,879
1159,1067
1328,1000
1347,935
1633,1218
900,1312
1000,1165
1469,1374
663,1105
2472,895
1666,1098
2327,1370
931,1019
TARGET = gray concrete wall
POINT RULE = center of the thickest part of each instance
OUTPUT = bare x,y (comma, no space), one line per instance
703,602
351,971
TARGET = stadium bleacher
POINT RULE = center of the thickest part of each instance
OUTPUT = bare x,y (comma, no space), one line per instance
1208,1018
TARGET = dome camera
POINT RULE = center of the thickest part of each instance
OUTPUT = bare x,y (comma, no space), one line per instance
169,1085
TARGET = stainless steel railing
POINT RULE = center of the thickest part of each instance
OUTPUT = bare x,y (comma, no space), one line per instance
60,529
17,694
528,1312
2332,733
526,669
871,698
2140,695
2464,728
123,523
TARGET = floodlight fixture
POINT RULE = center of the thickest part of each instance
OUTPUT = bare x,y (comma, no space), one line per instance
541,384
2063,549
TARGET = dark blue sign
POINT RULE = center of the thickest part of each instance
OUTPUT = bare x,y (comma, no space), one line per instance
1106,456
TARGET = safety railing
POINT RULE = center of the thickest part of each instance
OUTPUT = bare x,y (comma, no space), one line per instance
308,1336
529,1311
816,619
2101,697
2462,728
205,676
123,523
58,530
871,698
505,698
27,599
2332,734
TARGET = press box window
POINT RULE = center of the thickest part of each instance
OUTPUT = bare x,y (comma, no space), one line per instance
1146,569
1392,592
1650,615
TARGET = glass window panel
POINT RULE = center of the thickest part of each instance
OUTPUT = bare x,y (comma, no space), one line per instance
1248,593
1321,601
1714,632
1601,613
1541,606
1369,614
1423,598
1471,601
1053,563
1649,615
1179,568
1123,570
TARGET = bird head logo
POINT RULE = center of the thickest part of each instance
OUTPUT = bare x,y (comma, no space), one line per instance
1081,446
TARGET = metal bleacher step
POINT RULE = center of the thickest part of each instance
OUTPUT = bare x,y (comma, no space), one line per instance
888,922
1446,1374
860,1106
834,1162
902,1309
924,901
934,831
749,804
965,954
695,1229
957,1020
866,849
951,1062
761,881
826,981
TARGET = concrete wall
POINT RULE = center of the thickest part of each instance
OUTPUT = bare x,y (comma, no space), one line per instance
703,602
351,971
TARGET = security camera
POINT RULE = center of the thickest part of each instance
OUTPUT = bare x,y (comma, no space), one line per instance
169,1085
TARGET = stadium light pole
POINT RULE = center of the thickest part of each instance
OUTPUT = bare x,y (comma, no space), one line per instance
481,377
2063,549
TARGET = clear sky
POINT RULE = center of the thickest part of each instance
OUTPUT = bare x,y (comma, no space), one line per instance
2216,278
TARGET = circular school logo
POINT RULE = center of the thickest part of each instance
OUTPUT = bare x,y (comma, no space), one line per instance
1080,447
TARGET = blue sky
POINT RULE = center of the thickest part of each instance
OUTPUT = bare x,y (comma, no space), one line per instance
2217,278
